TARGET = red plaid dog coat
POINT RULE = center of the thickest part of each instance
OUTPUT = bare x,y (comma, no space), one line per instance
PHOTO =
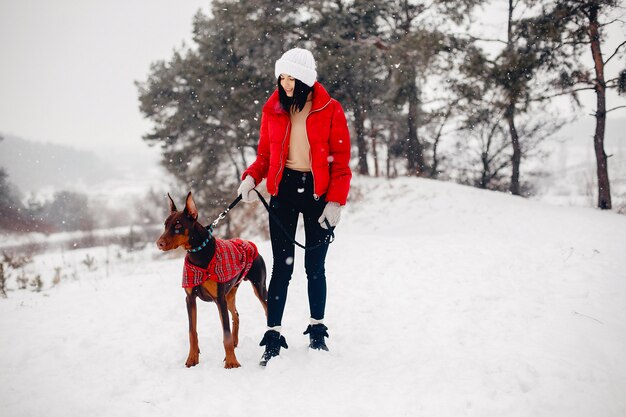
233,258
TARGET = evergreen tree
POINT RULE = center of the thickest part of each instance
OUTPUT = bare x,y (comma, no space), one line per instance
68,211
512,78
415,39
349,62
578,26
10,206
205,103
513,72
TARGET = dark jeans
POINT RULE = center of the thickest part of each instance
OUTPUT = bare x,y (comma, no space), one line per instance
295,196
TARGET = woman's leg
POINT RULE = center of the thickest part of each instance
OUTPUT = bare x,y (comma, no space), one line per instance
283,254
315,259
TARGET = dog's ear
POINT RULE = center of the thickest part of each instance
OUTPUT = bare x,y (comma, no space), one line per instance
172,205
190,207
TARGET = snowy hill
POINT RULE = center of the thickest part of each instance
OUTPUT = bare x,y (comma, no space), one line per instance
443,301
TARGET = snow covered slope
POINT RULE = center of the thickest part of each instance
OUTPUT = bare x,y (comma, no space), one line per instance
443,301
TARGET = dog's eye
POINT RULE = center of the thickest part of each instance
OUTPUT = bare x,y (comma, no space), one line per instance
178,228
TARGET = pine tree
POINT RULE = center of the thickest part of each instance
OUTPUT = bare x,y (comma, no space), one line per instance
413,31
349,62
11,209
205,102
510,80
578,26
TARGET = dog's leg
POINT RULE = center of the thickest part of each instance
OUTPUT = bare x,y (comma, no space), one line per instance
257,276
194,351
232,307
230,361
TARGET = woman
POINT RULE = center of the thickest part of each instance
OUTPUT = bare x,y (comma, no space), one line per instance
304,152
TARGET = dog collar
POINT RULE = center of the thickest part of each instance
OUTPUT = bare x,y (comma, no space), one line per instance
199,248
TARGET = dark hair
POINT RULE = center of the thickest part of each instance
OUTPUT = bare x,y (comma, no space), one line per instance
298,101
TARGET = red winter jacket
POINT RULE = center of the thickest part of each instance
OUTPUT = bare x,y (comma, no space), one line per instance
329,138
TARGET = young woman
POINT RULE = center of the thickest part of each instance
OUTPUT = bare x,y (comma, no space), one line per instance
304,152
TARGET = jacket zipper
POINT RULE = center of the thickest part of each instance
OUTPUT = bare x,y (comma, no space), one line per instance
282,150
315,196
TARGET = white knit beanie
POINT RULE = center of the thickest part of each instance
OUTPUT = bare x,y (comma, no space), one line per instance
299,63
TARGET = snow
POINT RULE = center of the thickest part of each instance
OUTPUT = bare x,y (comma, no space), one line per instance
443,300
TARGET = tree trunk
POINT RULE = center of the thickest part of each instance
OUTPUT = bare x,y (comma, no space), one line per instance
516,159
604,189
234,162
359,127
415,151
375,155
484,175
3,281
434,170
509,115
392,139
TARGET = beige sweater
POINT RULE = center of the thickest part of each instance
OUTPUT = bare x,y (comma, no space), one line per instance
299,158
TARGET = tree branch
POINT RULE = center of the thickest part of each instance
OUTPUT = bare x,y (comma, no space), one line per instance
475,38
542,98
615,52
378,43
615,108
499,168
611,22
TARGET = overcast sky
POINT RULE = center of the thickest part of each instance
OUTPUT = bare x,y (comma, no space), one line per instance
68,66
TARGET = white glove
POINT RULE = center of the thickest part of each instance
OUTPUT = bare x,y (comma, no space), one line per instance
332,213
245,189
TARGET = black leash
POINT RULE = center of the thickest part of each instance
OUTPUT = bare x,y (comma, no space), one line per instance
330,237
223,214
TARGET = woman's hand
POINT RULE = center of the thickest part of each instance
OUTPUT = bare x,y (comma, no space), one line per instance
332,213
245,189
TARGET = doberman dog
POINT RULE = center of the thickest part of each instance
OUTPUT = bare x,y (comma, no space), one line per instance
183,229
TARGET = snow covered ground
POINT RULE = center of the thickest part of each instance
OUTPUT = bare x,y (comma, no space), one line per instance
443,301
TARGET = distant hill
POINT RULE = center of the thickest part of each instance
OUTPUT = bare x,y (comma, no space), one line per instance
33,165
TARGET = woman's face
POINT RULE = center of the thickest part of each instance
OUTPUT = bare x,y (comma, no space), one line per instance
288,83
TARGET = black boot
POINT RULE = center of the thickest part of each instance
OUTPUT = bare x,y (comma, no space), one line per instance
316,333
272,340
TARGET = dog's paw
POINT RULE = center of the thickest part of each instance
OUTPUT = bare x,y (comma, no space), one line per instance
192,360
230,364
